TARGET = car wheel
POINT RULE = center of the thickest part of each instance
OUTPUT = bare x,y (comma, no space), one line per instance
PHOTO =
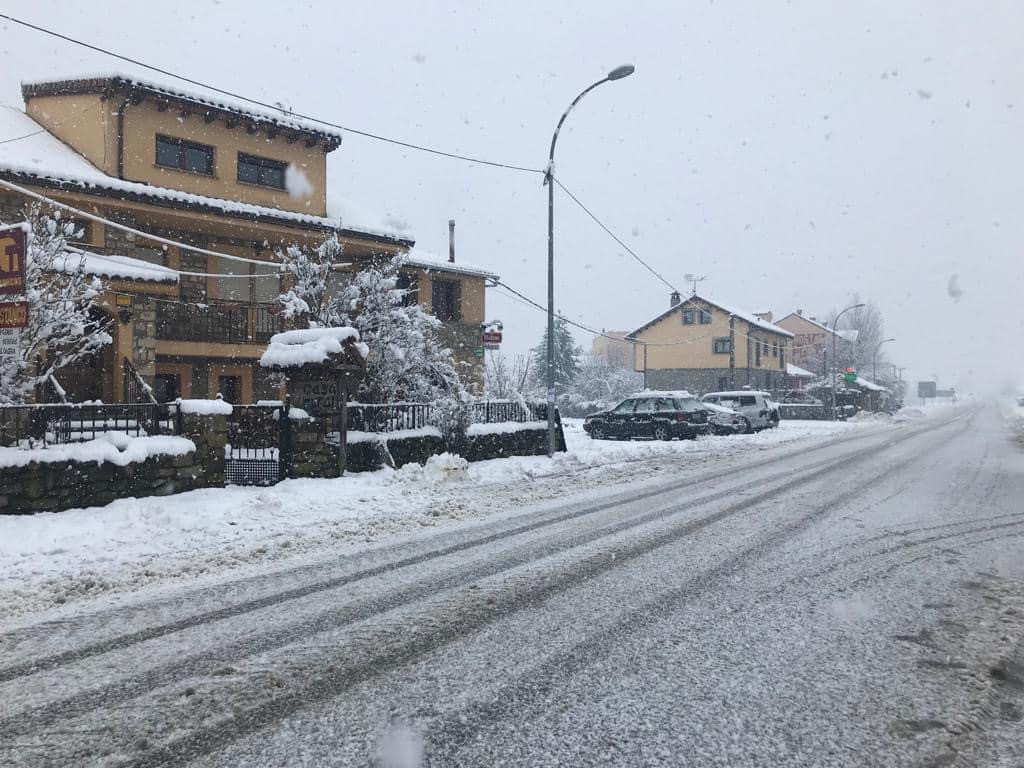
598,433
747,429
661,432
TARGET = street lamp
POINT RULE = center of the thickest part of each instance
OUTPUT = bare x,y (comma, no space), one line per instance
616,74
874,360
834,324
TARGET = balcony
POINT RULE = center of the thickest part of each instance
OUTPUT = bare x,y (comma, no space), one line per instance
218,323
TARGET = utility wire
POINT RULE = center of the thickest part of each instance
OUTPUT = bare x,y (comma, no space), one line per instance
273,107
614,237
26,136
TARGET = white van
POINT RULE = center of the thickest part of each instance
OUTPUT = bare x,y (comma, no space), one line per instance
757,408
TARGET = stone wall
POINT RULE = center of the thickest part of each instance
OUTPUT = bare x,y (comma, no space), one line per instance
54,486
524,442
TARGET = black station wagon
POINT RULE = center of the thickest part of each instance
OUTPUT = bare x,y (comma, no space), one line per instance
655,415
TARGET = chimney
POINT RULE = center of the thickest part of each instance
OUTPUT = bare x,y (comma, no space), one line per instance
800,312
451,240
673,300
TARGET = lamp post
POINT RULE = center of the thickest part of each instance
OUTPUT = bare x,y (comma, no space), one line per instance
834,324
616,74
874,360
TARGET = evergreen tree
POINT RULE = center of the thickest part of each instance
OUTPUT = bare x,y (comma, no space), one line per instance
566,358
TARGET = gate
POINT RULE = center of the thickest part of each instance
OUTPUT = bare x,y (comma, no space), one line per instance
259,448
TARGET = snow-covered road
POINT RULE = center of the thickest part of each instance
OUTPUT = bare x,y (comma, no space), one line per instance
850,599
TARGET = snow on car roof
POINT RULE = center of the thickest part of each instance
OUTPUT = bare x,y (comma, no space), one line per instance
649,393
738,392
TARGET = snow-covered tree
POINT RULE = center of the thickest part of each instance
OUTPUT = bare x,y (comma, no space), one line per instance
505,378
567,353
869,327
61,329
407,359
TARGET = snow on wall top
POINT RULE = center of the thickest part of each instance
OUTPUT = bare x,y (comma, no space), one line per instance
796,370
98,82
38,153
205,407
417,257
114,447
123,267
308,346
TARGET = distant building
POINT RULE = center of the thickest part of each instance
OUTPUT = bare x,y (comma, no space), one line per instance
812,342
703,345
617,350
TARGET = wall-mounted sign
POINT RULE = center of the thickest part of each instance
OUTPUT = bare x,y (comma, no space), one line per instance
14,314
926,389
10,342
12,261
478,352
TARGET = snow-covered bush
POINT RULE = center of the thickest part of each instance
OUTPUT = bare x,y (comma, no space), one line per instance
407,360
61,328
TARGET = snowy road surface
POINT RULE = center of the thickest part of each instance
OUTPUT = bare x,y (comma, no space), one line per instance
858,602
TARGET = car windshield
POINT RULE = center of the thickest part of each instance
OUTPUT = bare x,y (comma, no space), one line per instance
429,383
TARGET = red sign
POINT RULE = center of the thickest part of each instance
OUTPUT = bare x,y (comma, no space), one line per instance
14,314
12,260
490,337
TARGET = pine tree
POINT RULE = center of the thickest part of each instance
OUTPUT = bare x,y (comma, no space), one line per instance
61,326
566,359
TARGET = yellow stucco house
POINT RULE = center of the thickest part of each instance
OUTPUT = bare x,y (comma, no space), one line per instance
215,175
702,345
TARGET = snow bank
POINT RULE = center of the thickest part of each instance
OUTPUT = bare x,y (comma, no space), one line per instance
115,447
504,427
205,407
308,346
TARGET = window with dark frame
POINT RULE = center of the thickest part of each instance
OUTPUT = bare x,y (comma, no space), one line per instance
775,349
720,346
183,155
445,299
757,353
687,317
262,171
705,317
408,285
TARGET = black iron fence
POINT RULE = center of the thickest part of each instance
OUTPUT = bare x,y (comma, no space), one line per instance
217,322
258,451
391,417
28,426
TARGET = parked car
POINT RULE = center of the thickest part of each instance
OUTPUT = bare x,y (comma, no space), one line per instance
725,421
655,415
757,407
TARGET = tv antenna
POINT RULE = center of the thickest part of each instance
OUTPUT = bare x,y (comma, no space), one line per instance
693,280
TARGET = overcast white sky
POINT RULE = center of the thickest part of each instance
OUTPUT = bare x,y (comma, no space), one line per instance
795,153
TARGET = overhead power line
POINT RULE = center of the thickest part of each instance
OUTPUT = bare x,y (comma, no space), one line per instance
615,237
266,105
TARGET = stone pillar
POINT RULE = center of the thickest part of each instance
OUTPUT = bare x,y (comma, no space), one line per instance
210,434
144,337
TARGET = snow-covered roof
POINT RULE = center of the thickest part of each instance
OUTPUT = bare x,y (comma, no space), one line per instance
796,370
417,257
307,346
118,267
36,153
108,81
869,385
750,317
847,335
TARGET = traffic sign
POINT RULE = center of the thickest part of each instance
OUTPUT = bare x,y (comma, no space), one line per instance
12,261
478,352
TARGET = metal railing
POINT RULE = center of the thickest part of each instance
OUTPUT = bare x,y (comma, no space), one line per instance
136,390
217,322
391,417
35,426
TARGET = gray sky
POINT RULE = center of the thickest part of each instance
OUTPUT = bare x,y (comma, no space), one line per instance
795,153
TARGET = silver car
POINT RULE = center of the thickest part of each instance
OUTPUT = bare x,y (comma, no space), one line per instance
758,408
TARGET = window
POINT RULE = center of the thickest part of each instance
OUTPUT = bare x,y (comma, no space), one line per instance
748,400
445,299
261,170
166,388
645,406
775,350
723,382
664,405
720,346
407,283
705,317
689,404
757,353
184,155
626,406
230,388
687,317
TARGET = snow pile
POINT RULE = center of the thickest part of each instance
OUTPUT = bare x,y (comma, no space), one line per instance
114,447
308,346
397,434
205,407
504,427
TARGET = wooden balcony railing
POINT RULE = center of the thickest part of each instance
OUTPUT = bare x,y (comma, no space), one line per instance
223,323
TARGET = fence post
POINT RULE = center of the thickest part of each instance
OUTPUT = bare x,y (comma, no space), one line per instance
284,446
